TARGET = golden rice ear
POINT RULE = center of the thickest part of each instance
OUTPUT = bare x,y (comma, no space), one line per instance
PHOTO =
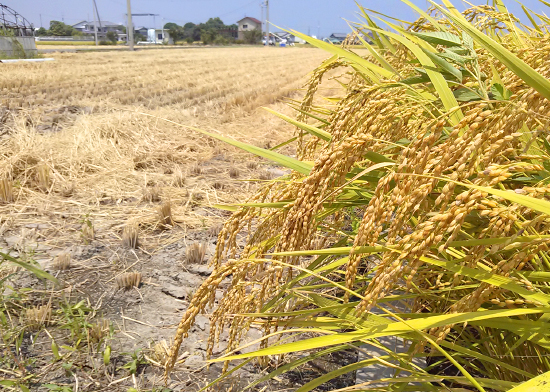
128,280
62,262
130,236
43,176
6,191
233,172
194,254
38,316
165,215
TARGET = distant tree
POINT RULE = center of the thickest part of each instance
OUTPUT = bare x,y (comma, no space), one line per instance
139,37
60,29
112,36
253,37
171,25
41,32
214,23
189,26
208,36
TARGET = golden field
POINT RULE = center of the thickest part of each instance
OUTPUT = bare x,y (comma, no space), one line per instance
103,186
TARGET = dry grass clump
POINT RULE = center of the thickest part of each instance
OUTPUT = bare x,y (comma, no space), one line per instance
178,178
43,176
195,253
160,352
99,330
87,233
151,194
252,165
62,262
233,172
214,231
6,191
37,317
196,170
128,280
165,215
130,236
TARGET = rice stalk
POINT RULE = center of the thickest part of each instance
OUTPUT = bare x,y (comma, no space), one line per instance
194,254
130,236
6,191
128,280
165,215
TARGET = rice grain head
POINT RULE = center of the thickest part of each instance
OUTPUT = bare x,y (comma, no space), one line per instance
194,254
130,236
128,280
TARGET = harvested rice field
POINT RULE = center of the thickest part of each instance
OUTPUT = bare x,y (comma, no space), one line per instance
104,187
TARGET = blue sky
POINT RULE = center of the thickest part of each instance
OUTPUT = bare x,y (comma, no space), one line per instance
314,16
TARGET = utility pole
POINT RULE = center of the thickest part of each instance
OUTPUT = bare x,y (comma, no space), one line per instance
41,25
130,28
267,20
95,24
262,17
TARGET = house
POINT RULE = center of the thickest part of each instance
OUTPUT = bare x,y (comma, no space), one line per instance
103,27
336,38
248,24
142,30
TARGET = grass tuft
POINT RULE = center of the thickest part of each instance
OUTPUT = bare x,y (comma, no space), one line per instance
62,262
195,253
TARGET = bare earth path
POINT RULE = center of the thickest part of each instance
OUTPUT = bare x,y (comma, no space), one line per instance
85,162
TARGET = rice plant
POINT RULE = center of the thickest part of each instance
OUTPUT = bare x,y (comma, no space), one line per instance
427,180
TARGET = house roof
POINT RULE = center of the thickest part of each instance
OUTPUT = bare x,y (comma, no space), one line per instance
104,23
252,19
79,23
339,35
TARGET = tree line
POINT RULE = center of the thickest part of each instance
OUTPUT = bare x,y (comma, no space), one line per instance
214,31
